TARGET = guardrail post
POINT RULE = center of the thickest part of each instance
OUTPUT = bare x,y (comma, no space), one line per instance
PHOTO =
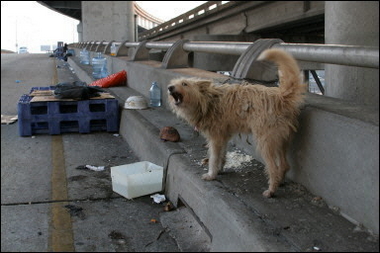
100,47
107,48
141,52
176,57
247,66
92,47
88,45
123,49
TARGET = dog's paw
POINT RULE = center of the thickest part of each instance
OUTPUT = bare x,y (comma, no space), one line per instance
268,194
204,161
207,177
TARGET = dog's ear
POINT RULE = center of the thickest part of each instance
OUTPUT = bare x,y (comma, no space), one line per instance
203,85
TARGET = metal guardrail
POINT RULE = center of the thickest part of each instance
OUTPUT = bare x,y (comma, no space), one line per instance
350,55
359,56
176,55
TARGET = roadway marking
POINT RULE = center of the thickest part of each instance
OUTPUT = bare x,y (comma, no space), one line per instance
61,232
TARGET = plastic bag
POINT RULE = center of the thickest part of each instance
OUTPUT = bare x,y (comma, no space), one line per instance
116,79
76,90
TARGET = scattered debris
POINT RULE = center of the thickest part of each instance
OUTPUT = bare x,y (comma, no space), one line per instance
318,201
158,198
116,235
153,221
90,167
8,119
169,133
335,209
158,237
168,207
359,228
236,159
76,211
95,168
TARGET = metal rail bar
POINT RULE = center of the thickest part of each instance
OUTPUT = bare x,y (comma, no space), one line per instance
159,45
359,56
232,48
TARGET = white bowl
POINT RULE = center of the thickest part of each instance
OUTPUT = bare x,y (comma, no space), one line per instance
137,179
136,102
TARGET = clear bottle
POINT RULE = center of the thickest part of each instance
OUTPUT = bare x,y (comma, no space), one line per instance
113,49
99,66
85,57
155,95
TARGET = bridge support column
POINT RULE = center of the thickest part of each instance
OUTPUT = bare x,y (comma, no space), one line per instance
80,31
108,20
352,23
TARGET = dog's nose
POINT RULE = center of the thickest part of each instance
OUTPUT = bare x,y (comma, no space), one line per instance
171,88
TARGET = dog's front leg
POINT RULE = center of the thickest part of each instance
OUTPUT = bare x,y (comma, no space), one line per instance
217,150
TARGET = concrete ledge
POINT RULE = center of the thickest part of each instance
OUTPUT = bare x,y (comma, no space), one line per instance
335,155
232,225
240,219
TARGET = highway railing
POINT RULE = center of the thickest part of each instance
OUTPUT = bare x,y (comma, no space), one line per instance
176,53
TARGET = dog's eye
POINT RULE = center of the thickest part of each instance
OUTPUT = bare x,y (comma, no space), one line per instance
184,84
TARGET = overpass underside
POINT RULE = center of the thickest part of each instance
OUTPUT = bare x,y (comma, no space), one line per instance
291,21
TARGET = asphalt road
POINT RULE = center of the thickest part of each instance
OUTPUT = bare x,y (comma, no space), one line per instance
47,202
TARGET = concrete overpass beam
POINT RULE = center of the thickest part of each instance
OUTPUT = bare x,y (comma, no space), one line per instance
80,31
108,20
352,23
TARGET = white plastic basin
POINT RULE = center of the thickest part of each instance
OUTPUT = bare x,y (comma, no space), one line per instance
137,179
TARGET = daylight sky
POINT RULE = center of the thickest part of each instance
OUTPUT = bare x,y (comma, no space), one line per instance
30,24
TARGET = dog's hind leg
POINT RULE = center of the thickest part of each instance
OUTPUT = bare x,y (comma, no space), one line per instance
217,154
269,151
284,165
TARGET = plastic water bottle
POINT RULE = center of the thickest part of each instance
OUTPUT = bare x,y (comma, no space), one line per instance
155,95
99,66
85,57
113,49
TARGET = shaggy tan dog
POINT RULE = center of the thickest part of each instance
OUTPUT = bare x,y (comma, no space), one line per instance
220,111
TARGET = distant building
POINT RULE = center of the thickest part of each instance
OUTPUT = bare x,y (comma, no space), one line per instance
23,50
144,19
46,48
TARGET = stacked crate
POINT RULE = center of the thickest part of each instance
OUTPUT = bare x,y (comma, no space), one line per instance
56,117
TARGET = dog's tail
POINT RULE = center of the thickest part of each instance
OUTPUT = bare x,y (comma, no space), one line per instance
291,79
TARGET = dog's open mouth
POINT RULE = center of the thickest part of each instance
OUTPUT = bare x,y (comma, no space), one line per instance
177,97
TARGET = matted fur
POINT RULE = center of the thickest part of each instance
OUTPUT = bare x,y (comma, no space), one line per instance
221,111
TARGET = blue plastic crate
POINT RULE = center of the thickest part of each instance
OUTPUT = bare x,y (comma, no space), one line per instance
56,117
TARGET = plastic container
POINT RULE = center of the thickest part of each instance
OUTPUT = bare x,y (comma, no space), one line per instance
113,49
136,102
137,179
83,116
99,66
155,95
85,57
